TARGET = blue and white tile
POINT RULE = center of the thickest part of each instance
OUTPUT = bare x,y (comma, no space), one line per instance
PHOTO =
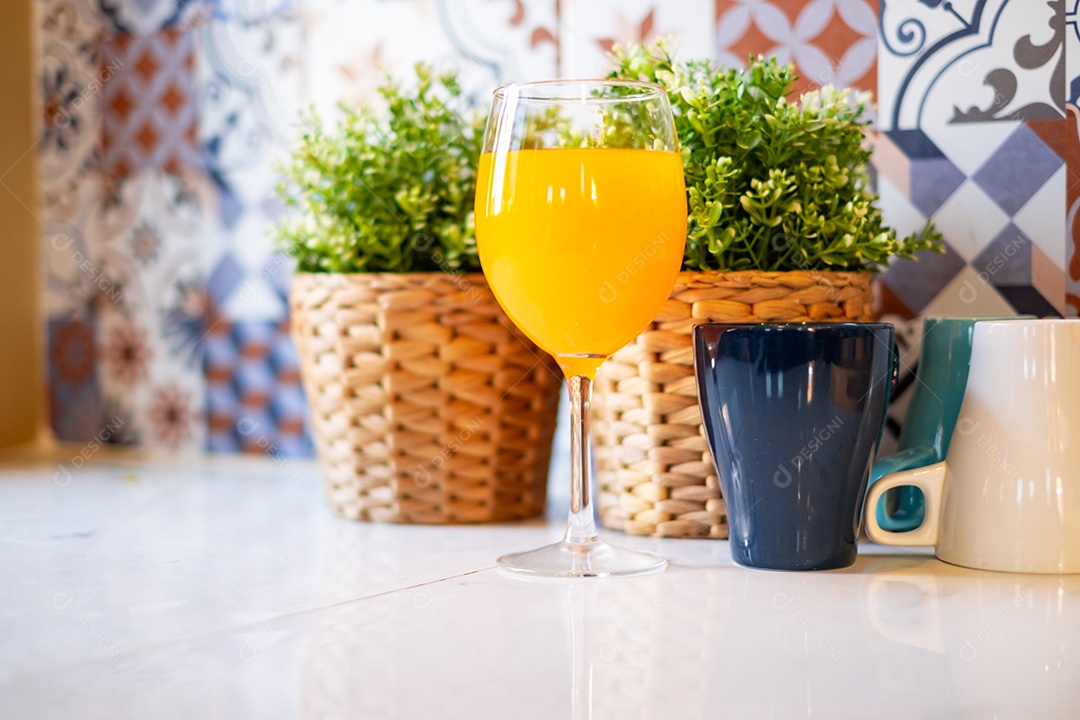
251,99
75,403
1022,75
917,282
1043,216
249,282
1017,169
1072,97
152,250
1072,51
141,17
71,76
992,60
1007,259
75,280
916,166
899,212
255,402
257,297
1020,270
969,220
969,294
250,10
969,145
252,82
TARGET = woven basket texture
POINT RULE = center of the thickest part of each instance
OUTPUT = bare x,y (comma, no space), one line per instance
654,469
428,406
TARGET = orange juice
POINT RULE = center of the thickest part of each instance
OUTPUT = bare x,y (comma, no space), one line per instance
581,247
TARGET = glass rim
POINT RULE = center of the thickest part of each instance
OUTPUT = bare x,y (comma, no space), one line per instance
648,91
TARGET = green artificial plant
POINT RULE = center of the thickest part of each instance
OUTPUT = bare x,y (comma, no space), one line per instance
772,184
389,189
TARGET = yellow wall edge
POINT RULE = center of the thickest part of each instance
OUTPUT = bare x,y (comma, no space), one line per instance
21,330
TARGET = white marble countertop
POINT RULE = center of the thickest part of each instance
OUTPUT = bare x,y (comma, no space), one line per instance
223,588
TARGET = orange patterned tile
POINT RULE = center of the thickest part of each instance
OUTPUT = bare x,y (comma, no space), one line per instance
150,109
828,45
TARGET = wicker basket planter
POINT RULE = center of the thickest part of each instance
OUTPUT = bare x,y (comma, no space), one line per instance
654,470
428,406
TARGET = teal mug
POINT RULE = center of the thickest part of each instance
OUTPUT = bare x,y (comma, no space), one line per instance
941,379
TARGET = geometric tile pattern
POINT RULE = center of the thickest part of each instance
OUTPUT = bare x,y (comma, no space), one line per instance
830,41
226,276
162,121
254,399
1017,169
979,234
914,285
150,113
1013,264
1006,261
916,166
973,101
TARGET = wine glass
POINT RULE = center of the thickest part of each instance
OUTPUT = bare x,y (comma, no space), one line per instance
581,228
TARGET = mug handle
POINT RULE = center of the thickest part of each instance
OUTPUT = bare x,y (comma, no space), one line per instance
929,479
911,458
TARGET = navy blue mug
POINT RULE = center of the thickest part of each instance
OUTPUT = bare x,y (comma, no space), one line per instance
793,414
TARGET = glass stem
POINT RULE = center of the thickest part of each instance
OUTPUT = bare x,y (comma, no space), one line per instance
581,527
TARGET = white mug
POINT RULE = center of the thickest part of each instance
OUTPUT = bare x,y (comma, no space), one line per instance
1007,496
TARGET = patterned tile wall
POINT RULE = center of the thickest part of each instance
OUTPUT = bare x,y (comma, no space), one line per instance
974,134
161,121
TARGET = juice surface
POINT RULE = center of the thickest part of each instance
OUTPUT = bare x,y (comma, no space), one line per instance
581,247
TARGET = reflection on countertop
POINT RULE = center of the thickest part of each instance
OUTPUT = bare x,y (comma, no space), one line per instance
201,587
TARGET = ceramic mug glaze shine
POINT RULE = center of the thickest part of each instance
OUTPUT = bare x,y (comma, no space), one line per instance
1007,496
930,419
793,414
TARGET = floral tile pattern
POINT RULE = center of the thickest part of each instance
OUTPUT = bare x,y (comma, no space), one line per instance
981,61
75,408
588,29
490,42
830,41
150,339
161,122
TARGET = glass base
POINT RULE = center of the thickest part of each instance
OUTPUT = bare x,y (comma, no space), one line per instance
587,559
